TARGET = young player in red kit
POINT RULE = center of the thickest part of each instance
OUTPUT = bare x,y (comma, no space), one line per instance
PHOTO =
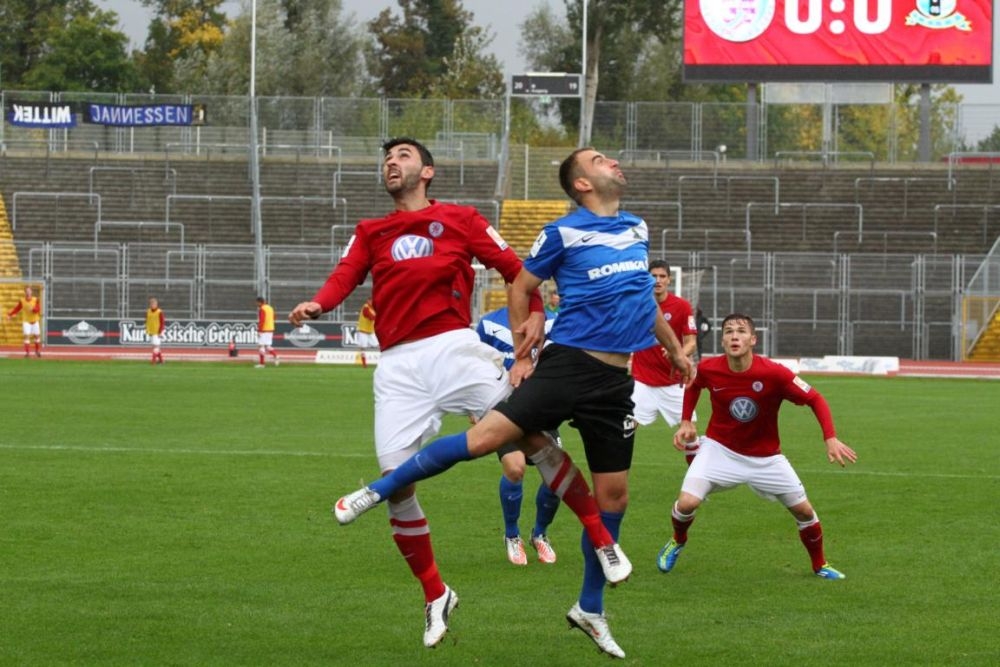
432,363
741,444
31,313
265,333
658,387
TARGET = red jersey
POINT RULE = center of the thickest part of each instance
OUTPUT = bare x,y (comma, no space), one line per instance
745,405
421,267
650,366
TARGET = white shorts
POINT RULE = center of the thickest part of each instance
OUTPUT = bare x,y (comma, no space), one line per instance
30,329
718,468
155,340
366,341
265,338
417,383
667,401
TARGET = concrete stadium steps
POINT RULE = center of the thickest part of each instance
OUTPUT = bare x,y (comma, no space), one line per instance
688,206
10,292
987,348
521,220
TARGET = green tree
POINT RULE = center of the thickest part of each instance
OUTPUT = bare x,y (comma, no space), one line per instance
990,144
305,48
32,42
182,31
75,46
628,41
433,49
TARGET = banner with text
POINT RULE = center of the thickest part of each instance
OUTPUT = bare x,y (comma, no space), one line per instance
40,114
143,115
199,333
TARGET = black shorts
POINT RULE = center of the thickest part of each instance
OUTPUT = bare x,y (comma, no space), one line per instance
596,398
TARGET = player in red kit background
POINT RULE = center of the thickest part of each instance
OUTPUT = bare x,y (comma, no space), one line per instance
31,314
741,444
156,323
432,363
265,333
658,387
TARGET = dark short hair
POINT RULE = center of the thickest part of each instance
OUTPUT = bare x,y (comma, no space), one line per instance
739,316
569,171
426,158
261,299
659,264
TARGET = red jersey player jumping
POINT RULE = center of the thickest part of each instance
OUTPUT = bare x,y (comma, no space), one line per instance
432,363
741,444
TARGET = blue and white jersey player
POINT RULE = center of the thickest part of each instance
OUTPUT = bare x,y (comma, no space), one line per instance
494,330
599,257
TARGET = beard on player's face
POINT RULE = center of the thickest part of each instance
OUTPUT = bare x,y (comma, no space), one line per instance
402,179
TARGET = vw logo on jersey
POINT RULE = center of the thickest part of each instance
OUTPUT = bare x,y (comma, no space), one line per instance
743,409
411,246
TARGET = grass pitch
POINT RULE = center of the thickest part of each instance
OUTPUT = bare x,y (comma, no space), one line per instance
180,515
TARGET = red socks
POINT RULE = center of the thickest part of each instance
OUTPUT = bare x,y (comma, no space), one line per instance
812,538
417,551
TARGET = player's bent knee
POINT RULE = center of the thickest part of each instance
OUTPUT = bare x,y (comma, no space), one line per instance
490,433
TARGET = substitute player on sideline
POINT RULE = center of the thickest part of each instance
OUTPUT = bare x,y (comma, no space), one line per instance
265,333
31,314
365,334
432,363
658,387
156,323
741,444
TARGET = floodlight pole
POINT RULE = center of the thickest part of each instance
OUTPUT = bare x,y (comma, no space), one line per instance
584,125
255,215
924,141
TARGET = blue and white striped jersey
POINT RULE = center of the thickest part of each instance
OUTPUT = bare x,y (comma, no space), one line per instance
601,265
494,330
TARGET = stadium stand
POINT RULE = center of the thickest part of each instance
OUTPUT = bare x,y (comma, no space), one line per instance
699,214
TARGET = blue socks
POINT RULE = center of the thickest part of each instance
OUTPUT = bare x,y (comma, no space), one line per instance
511,494
592,593
432,460
546,504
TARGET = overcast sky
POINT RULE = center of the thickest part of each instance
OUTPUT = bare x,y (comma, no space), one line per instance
503,17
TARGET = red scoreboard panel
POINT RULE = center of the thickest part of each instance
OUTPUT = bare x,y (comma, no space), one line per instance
919,41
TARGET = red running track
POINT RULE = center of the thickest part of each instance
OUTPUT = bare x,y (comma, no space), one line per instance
907,368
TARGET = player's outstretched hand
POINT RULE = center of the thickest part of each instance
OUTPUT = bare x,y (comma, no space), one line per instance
307,310
838,452
686,432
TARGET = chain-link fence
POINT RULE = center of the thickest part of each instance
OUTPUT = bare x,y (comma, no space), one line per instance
354,127
809,304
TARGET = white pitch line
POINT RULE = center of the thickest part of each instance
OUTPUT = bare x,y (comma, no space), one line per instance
272,452
161,450
877,473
